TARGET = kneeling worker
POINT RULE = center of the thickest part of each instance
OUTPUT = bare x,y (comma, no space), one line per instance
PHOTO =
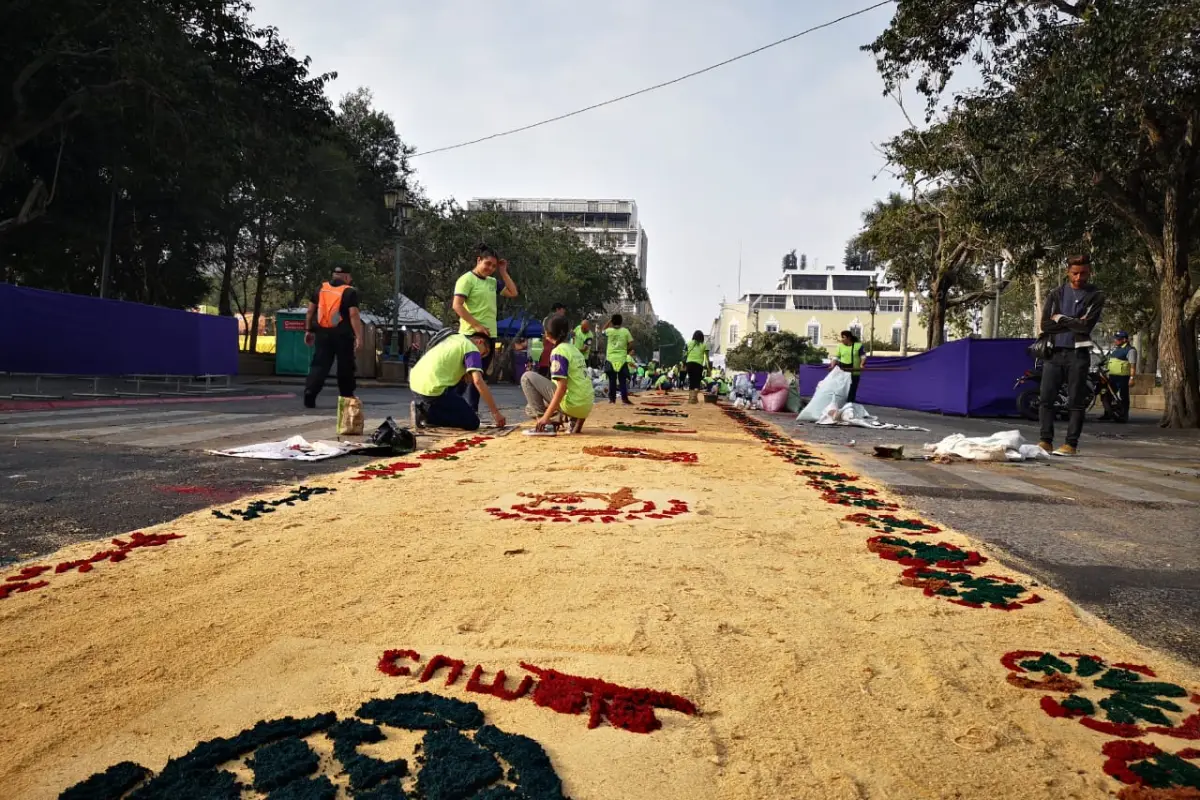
569,391
434,379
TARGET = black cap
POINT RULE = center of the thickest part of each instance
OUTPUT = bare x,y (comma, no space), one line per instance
340,271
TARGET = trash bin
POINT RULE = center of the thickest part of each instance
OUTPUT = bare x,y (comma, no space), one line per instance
292,355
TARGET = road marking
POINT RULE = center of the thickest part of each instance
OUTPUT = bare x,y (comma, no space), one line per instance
884,472
118,430
1127,472
994,481
275,423
72,419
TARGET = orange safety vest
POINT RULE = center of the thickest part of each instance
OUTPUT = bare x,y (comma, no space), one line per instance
329,305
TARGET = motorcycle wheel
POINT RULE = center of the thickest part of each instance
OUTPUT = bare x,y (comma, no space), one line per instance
1029,404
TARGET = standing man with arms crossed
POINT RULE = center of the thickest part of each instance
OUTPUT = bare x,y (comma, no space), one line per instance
334,329
620,345
475,303
1068,317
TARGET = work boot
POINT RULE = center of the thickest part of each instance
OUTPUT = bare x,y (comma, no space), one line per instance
1047,447
1066,451
310,401
416,415
692,398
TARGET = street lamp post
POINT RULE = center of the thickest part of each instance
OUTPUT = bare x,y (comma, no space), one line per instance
395,200
873,290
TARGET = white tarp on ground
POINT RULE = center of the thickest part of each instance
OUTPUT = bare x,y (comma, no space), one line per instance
296,448
1003,446
857,416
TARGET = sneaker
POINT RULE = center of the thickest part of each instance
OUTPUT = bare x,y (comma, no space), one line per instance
1046,446
625,401
1066,451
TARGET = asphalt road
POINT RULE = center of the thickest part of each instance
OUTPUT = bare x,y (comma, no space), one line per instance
1117,529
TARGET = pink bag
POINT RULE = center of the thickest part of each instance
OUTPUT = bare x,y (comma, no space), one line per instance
775,393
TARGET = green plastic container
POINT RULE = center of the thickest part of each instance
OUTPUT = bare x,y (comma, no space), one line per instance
292,355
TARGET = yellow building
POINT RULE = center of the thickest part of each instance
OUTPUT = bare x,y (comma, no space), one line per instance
819,303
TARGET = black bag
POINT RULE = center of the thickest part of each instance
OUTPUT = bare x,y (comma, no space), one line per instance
392,437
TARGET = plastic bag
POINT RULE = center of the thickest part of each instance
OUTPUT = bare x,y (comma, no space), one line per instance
793,398
349,416
833,390
397,440
775,392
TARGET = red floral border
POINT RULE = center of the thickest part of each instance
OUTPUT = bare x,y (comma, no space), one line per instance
26,579
563,509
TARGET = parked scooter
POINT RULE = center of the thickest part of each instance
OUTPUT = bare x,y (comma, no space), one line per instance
1029,402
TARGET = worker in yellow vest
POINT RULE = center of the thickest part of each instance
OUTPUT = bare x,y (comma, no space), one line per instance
850,359
1122,366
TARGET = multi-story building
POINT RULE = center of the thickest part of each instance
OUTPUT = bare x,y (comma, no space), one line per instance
820,303
598,224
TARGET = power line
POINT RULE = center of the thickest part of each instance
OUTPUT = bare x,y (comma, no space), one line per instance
656,86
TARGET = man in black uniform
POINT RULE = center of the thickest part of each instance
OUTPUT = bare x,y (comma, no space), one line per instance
333,325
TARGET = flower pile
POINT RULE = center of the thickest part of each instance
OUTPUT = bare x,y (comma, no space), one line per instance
661,412
257,508
889,523
612,451
587,507
1121,700
459,757
397,468
627,428
623,707
37,576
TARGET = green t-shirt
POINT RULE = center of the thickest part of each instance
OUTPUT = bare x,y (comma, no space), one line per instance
697,352
661,382
444,366
850,354
583,340
619,340
567,364
481,299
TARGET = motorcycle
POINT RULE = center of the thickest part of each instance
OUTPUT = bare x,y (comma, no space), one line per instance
1029,402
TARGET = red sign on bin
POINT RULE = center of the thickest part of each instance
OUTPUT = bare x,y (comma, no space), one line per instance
293,324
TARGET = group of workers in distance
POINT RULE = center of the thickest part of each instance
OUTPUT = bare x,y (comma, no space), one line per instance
449,382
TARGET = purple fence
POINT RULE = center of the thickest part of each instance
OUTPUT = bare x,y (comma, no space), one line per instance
68,334
968,377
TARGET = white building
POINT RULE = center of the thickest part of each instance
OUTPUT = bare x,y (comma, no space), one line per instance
820,303
598,223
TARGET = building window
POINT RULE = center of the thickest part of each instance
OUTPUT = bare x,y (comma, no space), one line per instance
772,326
891,305
810,283
733,333
768,301
896,330
812,302
849,302
814,333
851,283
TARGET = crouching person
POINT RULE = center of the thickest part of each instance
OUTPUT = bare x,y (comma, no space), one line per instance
568,390
435,376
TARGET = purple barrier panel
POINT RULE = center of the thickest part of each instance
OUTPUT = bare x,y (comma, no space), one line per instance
969,377
67,334
520,365
759,379
993,368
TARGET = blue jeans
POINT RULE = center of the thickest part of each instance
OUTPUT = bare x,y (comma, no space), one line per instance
1120,387
449,410
1069,366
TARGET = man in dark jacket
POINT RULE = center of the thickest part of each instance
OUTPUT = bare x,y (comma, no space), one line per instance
1068,317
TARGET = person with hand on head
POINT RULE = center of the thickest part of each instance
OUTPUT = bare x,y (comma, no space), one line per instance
333,328
476,301
620,345
1070,313
436,377
568,390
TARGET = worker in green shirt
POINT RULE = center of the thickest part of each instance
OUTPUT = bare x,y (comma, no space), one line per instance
568,389
583,338
620,345
850,359
435,377
696,357
475,303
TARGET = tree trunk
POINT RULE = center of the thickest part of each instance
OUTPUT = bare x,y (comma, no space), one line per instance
1037,303
904,329
224,304
260,280
1148,351
1177,351
936,335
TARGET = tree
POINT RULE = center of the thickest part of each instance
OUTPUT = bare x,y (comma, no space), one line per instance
773,352
1105,91
671,343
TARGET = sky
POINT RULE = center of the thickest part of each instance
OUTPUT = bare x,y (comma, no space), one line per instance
772,153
